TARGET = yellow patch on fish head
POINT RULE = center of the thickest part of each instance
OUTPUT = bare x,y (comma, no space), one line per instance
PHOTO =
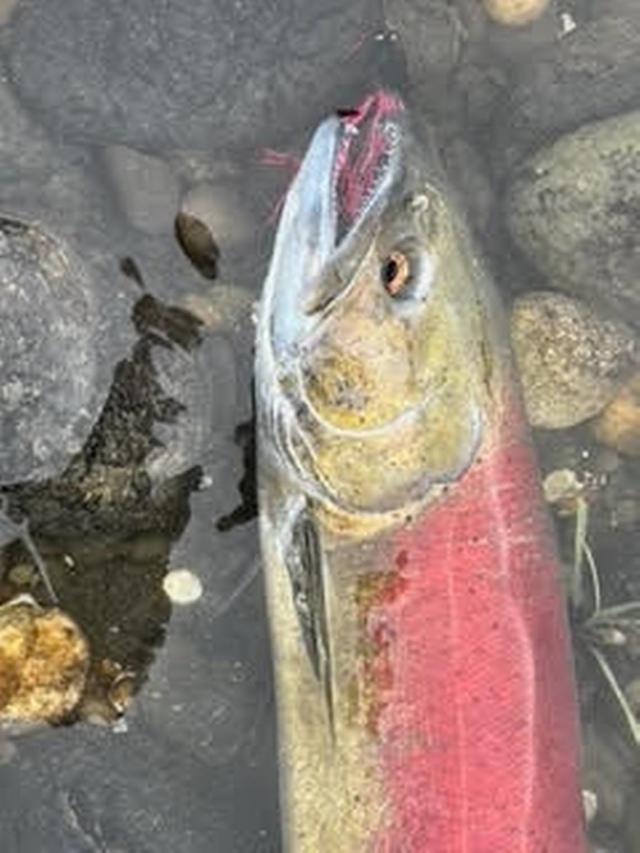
394,376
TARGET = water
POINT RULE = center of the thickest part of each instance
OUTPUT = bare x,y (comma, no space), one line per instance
111,115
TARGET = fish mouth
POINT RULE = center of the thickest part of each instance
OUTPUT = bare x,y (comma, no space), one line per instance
330,214
368,140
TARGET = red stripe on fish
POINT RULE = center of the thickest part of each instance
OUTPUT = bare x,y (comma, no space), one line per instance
475,706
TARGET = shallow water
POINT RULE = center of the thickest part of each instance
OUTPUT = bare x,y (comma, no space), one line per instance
112,115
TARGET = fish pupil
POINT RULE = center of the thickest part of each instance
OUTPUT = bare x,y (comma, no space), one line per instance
389,271
395,273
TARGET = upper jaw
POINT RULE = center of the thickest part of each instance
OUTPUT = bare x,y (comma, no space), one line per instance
323,234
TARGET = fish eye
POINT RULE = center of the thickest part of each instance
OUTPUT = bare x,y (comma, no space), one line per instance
395,272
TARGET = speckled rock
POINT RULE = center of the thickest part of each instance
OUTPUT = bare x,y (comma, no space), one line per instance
573,210
145,187
158,75
571,361
44,659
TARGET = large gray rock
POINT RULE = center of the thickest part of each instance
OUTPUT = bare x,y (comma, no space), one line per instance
197,74
573,210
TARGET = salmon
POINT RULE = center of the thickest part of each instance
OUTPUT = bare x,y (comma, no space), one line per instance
424,678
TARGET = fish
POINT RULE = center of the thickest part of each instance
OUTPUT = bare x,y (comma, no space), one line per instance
423,672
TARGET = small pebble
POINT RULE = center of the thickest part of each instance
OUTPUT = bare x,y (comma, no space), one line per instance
619,424
589,804
182,586
514,13
562,485
23,574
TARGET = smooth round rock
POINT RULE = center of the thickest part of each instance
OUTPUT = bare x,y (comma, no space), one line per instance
573,210
49,391
571,361
182,586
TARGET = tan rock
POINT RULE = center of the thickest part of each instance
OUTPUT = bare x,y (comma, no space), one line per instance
619,424
571,360
514,13
44,659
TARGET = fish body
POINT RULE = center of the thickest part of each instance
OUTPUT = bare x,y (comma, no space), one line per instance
423,672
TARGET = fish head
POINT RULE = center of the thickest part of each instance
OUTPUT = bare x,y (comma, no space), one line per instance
374,360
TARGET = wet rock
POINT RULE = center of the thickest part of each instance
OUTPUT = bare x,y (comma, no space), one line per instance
222,73
514,13
573,210
52,349
571,361
619,424
591,73
153,439
44,659
145,187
